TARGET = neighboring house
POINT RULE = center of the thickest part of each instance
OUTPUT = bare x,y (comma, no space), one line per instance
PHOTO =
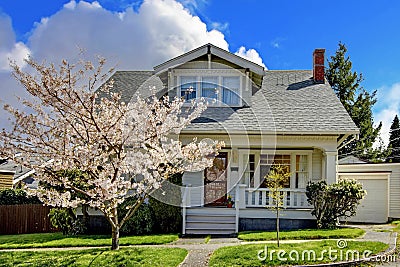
6,179
266,117
13,175
382,182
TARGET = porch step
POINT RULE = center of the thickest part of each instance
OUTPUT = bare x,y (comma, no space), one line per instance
215,221
210,232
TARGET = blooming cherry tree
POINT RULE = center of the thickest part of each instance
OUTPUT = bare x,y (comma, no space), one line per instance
75,122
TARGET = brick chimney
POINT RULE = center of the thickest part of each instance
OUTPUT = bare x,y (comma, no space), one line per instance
318,65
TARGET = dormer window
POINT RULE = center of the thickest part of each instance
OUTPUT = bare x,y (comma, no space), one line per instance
209,87
231,90
219,87
188,87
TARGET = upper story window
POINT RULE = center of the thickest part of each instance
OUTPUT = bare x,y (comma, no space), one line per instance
209,87
188,87
219,87
231,90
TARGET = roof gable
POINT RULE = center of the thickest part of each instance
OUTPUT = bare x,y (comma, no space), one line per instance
205,50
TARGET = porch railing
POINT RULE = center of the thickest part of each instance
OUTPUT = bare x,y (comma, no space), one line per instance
262,197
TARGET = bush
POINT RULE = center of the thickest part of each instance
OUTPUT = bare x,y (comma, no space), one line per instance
16,197
65,220
142,221
334,201
155,216
167,218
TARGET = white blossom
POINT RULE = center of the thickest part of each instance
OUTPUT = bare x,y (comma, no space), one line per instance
116,147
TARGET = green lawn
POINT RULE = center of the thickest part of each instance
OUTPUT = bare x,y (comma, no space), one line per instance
96,257
247,255
59,240
302,234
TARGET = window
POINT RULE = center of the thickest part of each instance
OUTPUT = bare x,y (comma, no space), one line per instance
209,87
220,87
249,172
258,165
269,161
230,92
301,171
188,87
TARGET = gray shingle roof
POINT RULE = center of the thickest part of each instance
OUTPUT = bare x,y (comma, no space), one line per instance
129,83
288,102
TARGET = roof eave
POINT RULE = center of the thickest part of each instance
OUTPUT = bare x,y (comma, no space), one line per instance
326,133
214,50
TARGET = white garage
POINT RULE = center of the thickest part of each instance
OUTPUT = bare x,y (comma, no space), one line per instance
374,208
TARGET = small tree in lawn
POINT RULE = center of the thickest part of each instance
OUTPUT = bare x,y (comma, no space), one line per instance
275,181
121,149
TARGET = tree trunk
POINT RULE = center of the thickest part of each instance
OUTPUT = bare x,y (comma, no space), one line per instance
115,238
277,226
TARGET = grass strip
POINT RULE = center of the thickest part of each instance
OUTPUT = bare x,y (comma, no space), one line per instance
58,240
96,257
312,252
303,234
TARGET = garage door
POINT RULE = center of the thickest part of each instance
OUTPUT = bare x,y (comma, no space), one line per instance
374,207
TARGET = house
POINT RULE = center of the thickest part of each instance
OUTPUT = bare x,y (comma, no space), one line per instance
6,179
266,117
13,175
382,183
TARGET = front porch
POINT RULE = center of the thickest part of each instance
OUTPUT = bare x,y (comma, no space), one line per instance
251,210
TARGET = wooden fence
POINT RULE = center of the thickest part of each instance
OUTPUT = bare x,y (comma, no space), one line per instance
24,219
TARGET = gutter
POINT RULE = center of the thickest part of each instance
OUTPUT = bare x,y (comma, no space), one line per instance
354,137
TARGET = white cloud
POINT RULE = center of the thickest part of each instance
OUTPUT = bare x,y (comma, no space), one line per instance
388,106
18,53
220,26
9,49
158,31
132,39
251,55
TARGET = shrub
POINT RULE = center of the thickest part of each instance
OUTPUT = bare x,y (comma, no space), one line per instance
334,201
156,216
65,220
142,221
16,197
167,218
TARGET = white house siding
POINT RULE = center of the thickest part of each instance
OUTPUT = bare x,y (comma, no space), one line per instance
196,181
394,201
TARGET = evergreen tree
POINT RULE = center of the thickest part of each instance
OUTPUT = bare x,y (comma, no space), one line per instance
394,141
358,103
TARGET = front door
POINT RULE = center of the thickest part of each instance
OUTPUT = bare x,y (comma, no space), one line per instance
215,179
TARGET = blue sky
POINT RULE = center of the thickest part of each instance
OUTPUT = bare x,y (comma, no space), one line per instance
282,34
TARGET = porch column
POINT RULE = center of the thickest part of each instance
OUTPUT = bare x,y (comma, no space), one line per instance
330,166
